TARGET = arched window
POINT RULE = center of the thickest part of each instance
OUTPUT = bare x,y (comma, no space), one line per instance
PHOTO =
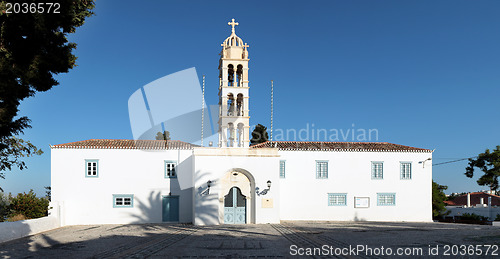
230,75
239,75
230,104
230,134
239,105
239,135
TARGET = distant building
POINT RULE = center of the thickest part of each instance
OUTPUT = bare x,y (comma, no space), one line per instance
474,203
474,199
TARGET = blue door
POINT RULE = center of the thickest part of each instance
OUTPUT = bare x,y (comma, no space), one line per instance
170,208
235,207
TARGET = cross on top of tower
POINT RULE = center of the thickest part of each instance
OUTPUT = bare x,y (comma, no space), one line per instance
232,23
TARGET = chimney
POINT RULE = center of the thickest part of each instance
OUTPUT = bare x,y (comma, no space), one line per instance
468,200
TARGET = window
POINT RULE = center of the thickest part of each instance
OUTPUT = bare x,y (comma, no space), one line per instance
337,199
321,169
123,200
170,169
386,199
91,168
282,169
377,170
405,171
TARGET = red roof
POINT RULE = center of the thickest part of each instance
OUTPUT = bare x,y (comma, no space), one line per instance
126,144
338,146
475,198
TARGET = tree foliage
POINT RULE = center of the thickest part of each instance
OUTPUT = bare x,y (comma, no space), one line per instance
12,150
4,206
163,136
259,135
29,205
489,163
438,198
33,49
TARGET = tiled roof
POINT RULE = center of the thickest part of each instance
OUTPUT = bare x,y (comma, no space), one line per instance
338,146
126,144
475,198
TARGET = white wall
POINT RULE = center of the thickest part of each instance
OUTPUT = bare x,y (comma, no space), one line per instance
262,167
22,228
303,197
121,171
485,211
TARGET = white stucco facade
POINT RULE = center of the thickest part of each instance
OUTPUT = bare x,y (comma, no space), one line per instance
299,195
89,200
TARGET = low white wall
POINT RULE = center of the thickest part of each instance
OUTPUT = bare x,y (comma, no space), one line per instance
14,230
478,211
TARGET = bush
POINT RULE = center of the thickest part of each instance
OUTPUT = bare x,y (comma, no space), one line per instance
28,205
4,206
497,218
472,216
16,218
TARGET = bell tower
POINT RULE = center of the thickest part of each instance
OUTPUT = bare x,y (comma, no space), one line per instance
233,92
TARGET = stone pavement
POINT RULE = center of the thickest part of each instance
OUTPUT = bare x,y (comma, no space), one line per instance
286,240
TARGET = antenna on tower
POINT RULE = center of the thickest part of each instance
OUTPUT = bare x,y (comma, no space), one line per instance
202,109
272,104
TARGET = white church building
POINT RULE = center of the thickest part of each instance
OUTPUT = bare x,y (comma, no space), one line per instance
109,181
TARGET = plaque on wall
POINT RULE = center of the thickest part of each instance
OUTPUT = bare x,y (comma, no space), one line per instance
267,203
361,202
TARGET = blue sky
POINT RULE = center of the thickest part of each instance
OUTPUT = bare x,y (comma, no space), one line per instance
423,73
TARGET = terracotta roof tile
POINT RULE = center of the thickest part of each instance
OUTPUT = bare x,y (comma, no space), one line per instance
338,146
475,198
126,144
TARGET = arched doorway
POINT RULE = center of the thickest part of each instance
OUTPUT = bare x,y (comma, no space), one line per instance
237,197
235,207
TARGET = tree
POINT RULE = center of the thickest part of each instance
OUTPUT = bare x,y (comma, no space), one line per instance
163,136
33,49
12,150
438,198
4,206
489,163
48,192
28,205
259,135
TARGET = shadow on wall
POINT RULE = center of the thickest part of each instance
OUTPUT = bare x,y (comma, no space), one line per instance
150,209
356,218
14,230
206,209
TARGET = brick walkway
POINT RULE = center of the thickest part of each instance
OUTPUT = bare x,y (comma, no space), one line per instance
249,241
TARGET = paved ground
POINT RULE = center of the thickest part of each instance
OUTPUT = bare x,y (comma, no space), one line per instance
286,240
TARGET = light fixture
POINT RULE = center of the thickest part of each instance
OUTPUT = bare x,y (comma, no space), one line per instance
264,192
423,162
209,183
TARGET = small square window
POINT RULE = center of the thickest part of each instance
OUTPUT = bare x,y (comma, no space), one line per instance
282,169
170,169
321,169
377,170
386,199
405,170
123,200
337,199
91,168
